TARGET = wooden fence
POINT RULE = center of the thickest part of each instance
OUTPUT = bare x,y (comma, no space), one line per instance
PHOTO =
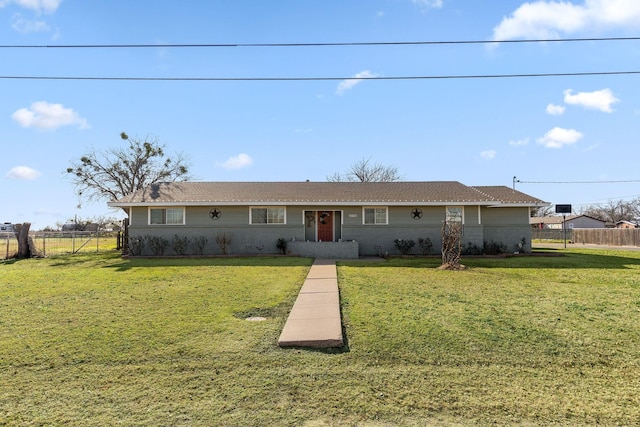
607,236
550,234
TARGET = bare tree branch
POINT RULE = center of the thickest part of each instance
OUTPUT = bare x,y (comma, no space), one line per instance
119,171
365,171
614,211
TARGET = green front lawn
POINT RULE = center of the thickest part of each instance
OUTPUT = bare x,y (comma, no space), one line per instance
98,340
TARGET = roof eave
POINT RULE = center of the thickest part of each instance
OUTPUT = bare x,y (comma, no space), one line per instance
520,205
320,203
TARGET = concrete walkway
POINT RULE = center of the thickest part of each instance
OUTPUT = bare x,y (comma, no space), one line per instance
314,320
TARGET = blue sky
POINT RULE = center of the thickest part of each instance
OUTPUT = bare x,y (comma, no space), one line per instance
476,131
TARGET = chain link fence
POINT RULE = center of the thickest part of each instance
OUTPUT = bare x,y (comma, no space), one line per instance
48,244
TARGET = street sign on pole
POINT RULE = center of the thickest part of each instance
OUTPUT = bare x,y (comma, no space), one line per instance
564,210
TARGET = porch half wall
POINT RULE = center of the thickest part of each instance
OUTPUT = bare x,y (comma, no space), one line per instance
329,250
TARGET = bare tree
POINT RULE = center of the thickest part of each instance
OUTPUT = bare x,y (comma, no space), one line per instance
366,171
614,211
22,234
451,245
542,211
119,171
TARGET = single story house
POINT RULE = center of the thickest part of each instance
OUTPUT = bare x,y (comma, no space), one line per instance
324,219
626,224
572,221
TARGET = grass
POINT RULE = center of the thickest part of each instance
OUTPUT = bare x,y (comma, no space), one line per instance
98,340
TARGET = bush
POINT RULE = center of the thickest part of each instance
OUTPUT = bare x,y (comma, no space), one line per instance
494,248
180,244
404,246
136,246
425,245
199,243
224,242
157,244
281,244
472,249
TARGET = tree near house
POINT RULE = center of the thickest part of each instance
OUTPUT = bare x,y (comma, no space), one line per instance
614,211
114,173
366,171
542,211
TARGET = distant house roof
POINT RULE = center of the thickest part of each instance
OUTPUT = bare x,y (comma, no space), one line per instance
626,223
322,193
549,220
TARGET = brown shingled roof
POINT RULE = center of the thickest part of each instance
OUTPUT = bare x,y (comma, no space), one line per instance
507,195
343,193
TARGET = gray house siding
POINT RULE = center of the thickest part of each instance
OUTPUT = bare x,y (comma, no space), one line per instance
507,226
379,239
585,222
480,225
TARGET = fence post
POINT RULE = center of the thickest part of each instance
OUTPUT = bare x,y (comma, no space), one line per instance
97,240
7,257
44,244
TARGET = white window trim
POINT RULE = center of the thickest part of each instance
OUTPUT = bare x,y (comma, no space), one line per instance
386,219
457,207
251,208
184,215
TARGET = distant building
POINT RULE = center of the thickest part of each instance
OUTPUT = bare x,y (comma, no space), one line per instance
572,221
626,224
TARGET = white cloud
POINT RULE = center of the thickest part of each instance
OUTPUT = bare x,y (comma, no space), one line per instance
519,142
559,137
488,154
436,4
24,173
598,100
240,161
549,19
46,116
26,26
555,110
48,6
350,83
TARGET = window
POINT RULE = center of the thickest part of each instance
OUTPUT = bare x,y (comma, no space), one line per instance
166,216
455,214
375,216
268,216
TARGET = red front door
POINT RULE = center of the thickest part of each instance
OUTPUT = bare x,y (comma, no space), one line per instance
325,226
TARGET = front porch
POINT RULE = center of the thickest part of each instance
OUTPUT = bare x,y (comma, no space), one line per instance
328,250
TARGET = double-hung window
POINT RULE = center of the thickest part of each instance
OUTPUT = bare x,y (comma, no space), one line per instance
375,216
455,214
275,215
166,216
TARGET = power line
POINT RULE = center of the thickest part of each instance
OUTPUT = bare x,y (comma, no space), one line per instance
320,44
626,181
275,79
